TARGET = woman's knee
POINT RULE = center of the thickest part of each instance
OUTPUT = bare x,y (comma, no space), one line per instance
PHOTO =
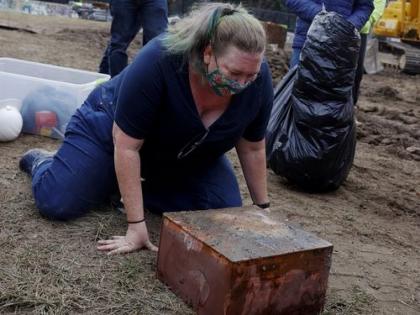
61,206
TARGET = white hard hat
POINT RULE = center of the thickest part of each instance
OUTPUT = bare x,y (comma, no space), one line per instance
10,123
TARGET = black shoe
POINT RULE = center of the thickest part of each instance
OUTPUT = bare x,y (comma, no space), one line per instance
33,157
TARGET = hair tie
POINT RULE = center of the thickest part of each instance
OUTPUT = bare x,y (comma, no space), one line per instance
228,11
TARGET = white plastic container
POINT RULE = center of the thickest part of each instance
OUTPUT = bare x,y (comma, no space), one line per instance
43,88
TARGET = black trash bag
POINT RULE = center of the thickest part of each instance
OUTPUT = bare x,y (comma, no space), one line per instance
311,135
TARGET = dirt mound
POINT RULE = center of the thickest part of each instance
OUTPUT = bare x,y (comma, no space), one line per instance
385,91
82,35
279,63
391,117
91,37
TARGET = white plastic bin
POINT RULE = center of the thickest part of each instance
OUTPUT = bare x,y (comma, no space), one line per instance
47,93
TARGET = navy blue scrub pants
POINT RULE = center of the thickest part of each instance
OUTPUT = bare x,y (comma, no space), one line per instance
128,16
81,175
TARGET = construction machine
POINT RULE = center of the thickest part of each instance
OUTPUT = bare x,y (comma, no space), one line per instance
92,10
399,31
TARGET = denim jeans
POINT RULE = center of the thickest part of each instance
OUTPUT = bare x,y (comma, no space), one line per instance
128,16
360,68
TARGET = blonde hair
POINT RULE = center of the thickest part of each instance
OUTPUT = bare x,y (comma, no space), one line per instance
218,25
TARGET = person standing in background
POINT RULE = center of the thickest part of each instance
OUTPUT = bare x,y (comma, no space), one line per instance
374,17
356,12
128,16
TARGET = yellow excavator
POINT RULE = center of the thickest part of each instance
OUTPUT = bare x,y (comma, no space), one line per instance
401,21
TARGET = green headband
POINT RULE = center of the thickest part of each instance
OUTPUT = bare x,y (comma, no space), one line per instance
215,19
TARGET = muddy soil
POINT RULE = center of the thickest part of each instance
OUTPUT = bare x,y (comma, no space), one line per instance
373,220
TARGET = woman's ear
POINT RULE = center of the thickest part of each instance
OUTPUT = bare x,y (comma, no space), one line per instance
207,54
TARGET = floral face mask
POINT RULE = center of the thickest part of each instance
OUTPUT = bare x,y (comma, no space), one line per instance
223,85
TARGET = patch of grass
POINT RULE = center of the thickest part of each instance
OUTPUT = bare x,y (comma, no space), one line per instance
65,274
359,302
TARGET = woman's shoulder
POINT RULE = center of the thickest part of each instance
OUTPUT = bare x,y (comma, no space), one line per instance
265,68
154,55
264,76
152,52
263,84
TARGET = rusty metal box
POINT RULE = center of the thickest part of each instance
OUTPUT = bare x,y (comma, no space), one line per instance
242,261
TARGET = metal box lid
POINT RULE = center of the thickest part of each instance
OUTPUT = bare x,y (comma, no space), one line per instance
243,234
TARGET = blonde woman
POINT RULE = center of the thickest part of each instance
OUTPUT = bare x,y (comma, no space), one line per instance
158,132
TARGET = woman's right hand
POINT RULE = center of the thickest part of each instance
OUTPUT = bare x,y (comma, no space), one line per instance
136,238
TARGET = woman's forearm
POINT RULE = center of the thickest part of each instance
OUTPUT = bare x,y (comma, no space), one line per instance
127,167
253,162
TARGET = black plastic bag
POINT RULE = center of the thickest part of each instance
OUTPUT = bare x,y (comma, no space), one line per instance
311,136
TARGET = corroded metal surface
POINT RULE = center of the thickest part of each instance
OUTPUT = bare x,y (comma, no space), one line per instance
245,233
241,261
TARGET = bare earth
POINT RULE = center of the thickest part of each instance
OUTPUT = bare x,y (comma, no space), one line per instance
373,220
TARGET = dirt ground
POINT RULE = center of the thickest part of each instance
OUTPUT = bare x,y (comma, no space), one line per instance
373,220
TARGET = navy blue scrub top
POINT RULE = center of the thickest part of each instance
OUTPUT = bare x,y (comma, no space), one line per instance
154,102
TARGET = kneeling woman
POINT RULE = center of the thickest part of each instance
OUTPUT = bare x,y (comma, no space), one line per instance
190,96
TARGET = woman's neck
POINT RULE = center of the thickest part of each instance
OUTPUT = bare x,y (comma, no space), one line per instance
209,105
